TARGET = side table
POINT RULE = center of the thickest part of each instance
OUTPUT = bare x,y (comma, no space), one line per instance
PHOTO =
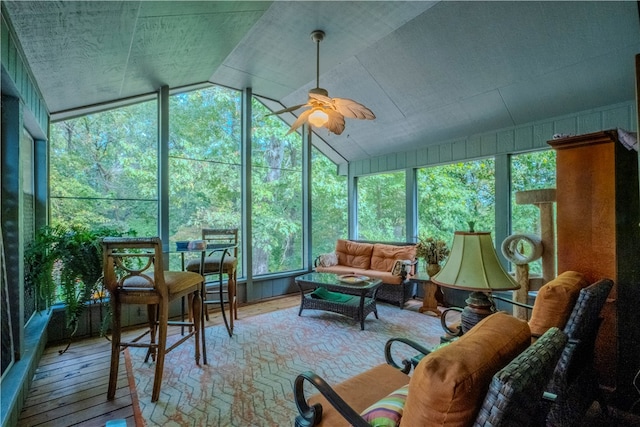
429,301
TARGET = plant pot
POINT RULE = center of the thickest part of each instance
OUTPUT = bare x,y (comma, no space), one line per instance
433,269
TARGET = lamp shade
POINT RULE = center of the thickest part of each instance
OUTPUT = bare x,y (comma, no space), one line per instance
473,265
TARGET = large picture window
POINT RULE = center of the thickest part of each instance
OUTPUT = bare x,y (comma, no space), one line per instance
205,164
104,170
329,204
276,196
451,196
530,171
382,207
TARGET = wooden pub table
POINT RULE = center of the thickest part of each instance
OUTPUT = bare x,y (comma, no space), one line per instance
353,296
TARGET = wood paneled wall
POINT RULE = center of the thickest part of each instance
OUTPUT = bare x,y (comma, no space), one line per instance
598,234
529,137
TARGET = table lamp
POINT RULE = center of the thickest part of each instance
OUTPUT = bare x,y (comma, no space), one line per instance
473,265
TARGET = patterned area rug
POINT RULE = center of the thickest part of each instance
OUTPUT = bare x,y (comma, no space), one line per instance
249,378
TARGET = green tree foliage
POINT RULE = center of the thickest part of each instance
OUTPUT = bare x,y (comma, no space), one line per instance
104,169
530,171
382,207
276,168
450,196
329,210
204,161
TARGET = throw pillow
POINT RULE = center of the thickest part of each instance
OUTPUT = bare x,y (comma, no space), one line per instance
448,386
396,270
387,412
328,260
554,302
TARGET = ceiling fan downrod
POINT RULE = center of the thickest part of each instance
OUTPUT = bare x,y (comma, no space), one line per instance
317,36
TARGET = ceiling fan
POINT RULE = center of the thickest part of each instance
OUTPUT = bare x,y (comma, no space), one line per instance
323,111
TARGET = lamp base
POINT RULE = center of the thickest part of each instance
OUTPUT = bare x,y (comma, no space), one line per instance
479,306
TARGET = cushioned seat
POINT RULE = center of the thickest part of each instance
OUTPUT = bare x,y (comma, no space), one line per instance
575,380
386,380
447,388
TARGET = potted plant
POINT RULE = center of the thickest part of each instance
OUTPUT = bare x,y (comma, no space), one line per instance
433,251
65,263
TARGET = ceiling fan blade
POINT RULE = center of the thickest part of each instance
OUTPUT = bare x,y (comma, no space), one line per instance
335,123
352,109
287,110
299,121
325,100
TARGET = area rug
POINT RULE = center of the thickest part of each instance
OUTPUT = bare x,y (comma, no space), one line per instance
249,378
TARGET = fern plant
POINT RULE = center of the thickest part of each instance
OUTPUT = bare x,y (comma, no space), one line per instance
68,259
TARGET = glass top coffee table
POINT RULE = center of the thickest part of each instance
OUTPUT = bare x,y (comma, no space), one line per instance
349,295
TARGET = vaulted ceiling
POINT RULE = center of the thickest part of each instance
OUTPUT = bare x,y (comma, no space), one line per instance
430,71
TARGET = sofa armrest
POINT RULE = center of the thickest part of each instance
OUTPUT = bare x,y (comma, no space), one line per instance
406,363
312,415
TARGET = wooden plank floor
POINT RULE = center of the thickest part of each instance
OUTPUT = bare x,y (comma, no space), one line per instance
70,389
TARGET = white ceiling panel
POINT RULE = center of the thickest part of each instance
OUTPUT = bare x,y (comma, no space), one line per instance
430,71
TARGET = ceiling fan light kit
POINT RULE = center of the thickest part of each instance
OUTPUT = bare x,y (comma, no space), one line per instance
323,111
318,117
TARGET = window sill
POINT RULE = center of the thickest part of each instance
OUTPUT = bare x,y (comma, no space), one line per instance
16,382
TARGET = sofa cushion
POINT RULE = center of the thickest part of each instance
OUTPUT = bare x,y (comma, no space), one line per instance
354,254
386,276
387,411
555,302
448,386
359,394
384,256
342,269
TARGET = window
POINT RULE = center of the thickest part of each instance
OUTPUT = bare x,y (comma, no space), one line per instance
530,171
450,196
205,165
382,207
31,302
104,170
276,199
329,208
